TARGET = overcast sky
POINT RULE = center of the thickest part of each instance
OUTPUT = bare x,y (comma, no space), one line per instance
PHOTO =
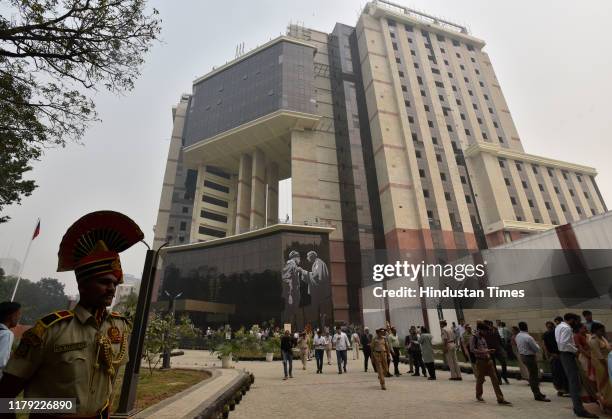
552,59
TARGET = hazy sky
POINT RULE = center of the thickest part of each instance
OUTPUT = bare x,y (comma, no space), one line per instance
552,59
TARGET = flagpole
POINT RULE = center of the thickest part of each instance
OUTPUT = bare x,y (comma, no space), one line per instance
23,263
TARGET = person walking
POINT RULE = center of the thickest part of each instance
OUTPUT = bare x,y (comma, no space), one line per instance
380,354
600,348
522,367
427,353
415,351
10,313
394,346
328,346
551,350
366,341
527,350
450,350
493,339
341,342
466,338
484,365
287,344
302,345
564,336
407,341
319,348
356,342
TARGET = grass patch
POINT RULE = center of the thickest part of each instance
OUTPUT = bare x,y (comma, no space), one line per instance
153,388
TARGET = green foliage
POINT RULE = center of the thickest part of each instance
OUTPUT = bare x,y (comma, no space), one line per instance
51,53
37,299
271,345
242,342
164,333
127,305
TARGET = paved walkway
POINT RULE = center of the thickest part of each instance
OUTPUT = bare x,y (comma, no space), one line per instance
358,395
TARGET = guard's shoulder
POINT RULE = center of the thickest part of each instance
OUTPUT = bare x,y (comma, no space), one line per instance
55,317
34,335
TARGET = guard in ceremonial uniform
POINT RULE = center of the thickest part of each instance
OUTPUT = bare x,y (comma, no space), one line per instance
380,354
77,353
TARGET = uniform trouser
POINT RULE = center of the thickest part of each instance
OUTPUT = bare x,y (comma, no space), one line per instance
568,360
304,357
287,362
380,363
367,354
534,375
500,355
319,358
451,360
485,368
558,375
418,363
431,368
341,358
395,354
355,351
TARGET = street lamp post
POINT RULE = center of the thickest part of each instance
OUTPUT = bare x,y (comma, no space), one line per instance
171,300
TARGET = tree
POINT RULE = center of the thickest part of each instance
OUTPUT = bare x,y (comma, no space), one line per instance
164,333
52,52
127,305
37,298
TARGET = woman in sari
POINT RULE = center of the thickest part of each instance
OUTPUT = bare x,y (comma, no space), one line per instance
600,348
588,391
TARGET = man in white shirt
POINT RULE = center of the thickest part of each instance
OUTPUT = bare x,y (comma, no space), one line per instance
564,335
528,349
10,313
341,342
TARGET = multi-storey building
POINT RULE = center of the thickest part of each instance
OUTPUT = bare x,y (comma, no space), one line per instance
395,134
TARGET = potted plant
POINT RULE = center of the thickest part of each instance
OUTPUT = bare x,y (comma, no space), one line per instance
225,350
270,346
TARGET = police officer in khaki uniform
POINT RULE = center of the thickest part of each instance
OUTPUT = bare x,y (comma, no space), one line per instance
380,354
77,353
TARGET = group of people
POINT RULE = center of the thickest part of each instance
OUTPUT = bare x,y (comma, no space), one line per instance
578,354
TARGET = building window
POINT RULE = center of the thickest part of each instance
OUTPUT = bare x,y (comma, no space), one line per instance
401,73
476,71
564,173
467,131
519,167
449,128
530,203
524,184
425,193
211,232
216,186
183,226
458,102
415,138
447,196
438,157
547,205
211,200
586,195
430,123
404,88
185,210
463,180
213,216
439,84
422,173
563,208
579,210
475,106
462,116
501,163
416,65
484,135
556,190
513,200
435,71
394,46
411,119
519,218
571,191
423,93
443,176
468,199
550,172
217,172
418,154
541,187
407,103
397,60
507,181
434,140
392,34
426,107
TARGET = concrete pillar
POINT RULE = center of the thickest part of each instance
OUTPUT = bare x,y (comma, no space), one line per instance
243,196
272,182
258,190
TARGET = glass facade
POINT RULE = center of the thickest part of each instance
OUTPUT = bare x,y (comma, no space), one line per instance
278,77
282,276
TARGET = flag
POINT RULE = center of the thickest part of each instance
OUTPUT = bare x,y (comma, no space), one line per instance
36,230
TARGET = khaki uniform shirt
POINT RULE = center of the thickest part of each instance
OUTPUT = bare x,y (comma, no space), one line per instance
379,344
447,335
60,358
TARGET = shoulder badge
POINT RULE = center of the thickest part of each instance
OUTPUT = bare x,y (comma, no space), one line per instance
117,315
55,317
